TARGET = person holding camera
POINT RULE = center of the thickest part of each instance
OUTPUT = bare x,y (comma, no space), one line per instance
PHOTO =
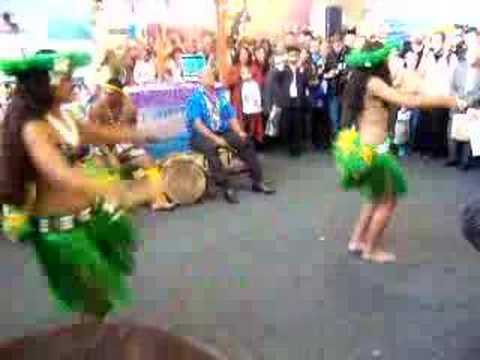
336,76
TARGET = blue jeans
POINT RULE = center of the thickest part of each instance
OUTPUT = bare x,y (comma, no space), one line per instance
414,120
334,112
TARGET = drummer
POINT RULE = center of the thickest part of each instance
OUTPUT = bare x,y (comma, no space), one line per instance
113,108
212,124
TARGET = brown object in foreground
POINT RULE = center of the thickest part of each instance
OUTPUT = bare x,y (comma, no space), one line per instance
106,342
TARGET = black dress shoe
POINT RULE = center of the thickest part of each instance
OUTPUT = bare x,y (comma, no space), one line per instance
451,163
231,196
295,152
262,188
465,167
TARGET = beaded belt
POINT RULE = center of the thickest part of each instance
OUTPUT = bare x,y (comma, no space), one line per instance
62,223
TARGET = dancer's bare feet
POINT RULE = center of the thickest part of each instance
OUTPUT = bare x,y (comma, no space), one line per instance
162,206
356,247
379,256
162,203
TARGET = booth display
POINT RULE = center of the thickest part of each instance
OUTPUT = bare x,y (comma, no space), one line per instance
164,104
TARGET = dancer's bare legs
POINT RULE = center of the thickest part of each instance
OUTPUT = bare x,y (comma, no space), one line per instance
379,222
357,241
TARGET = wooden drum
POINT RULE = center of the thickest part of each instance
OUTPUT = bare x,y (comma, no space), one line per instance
185,180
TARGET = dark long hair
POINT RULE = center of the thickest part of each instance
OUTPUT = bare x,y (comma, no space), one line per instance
356,88
265,66
32,100
236,58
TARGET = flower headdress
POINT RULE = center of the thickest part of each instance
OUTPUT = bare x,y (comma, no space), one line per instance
371,59
58,64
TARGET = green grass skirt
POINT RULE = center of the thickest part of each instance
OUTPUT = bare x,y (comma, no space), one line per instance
87,267
382,178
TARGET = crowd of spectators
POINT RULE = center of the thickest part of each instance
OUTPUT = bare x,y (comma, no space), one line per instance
289,89
312,114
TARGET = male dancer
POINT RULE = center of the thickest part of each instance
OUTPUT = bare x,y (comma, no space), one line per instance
115,108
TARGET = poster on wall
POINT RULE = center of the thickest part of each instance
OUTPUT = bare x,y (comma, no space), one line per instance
72,22
413,16
21,27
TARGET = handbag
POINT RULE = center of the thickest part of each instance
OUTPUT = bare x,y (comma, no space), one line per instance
474,131
460,128
402,128
273,122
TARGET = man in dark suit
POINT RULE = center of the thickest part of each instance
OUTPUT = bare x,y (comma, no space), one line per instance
291,86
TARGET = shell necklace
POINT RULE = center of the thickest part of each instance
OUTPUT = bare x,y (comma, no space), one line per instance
114,114
213,105
67,129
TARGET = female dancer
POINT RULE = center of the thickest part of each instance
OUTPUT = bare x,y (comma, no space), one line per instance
82,241
364,158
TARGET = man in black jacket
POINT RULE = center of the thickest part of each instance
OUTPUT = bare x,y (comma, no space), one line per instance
291,86
336,74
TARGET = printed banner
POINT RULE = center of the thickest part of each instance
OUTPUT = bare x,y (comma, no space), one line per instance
70,22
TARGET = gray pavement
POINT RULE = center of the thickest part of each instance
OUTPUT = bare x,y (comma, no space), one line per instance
271,276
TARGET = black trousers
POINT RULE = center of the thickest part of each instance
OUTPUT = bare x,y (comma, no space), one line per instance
293,122
320,128
432,133
245,151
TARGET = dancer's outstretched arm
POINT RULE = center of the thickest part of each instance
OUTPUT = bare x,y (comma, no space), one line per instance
96,134
382,90
50,163
52,166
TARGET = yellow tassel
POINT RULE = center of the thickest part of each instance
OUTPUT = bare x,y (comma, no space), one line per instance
14,223
109,179
346,141
154,174
368,154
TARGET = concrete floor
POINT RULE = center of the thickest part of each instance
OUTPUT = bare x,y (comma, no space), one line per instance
271,276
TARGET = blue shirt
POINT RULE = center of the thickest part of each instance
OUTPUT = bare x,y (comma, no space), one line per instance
215,113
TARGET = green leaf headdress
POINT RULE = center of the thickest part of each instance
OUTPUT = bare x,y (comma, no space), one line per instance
58,64
365,59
